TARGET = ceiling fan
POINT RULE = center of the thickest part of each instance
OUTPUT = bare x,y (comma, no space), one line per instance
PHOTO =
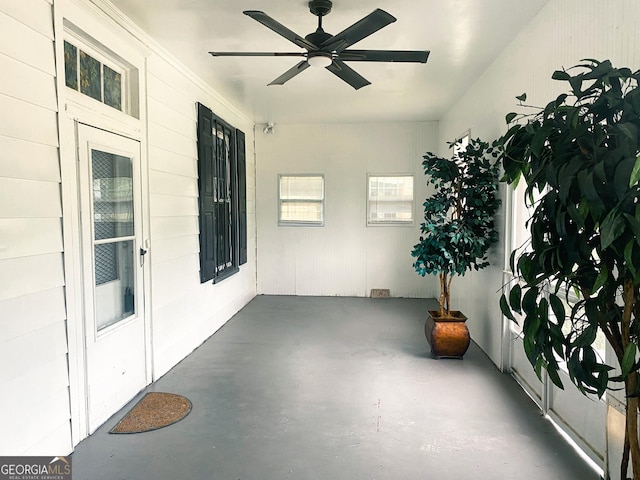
331,51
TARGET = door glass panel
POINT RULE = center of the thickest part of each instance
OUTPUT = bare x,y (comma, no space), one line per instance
114,299
113,227
112,195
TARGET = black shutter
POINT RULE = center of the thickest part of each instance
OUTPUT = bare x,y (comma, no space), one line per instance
206,193
242,196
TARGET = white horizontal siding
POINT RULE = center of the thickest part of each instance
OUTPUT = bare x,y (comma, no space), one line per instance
173,206
166,139
34,414
29,199
24,82
34,369
170,162
185,312
38,350
43,308
175,278
27,275
171,184
167,116
174,247
55,440
28,160
172,96
170,227
28,122
33,14
33,48
29,236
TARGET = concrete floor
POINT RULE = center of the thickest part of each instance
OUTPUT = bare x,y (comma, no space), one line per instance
335,388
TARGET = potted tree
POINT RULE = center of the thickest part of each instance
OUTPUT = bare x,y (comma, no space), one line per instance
457,231
580,160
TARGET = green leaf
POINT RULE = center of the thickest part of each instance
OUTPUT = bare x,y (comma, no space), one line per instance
558,308
522,98
587,337
622,177
600,280
555,378
539,139
510,116
529,301
629,359
635,173
628,130
506,311
515,298
512,259
560,75
612,227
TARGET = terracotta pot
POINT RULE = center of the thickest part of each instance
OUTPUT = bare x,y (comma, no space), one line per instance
447,335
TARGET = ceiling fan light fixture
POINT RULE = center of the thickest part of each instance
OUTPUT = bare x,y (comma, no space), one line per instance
319,61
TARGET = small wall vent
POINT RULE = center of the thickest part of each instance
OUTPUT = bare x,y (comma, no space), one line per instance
380,293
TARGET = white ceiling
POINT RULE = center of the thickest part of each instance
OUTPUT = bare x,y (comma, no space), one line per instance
464,37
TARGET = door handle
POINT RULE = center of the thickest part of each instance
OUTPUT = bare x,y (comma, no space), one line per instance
143,252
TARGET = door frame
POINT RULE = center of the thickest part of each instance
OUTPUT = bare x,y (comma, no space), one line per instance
88,139
76,282
73,260
105,30
551,400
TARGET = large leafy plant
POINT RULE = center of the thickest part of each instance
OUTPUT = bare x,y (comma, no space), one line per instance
579,157
458,226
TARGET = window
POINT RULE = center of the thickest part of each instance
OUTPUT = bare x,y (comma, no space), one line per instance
390,200
301,200
222,197
97,72
91,77
461,144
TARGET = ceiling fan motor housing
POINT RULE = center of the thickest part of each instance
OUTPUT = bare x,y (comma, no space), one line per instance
320,8
318,37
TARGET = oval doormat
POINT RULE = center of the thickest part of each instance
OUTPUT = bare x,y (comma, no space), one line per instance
155,410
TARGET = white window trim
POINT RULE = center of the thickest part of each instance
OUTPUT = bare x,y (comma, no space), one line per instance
459,139
391,223
129,72
300,223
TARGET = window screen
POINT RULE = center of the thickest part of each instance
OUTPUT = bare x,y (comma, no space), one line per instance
301,200
390,200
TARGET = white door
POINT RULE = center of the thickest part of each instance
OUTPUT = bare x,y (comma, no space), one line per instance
580,417
113,258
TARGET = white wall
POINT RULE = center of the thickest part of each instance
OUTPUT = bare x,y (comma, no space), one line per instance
185,312
344,257
563,33
41,323
34,407
559,36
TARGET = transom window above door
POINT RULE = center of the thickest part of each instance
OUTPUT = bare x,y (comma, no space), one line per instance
92,77
96,72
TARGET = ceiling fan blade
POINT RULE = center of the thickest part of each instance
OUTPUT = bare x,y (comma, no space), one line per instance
417,56
348,74
359,30
280,29
292,72
257,54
